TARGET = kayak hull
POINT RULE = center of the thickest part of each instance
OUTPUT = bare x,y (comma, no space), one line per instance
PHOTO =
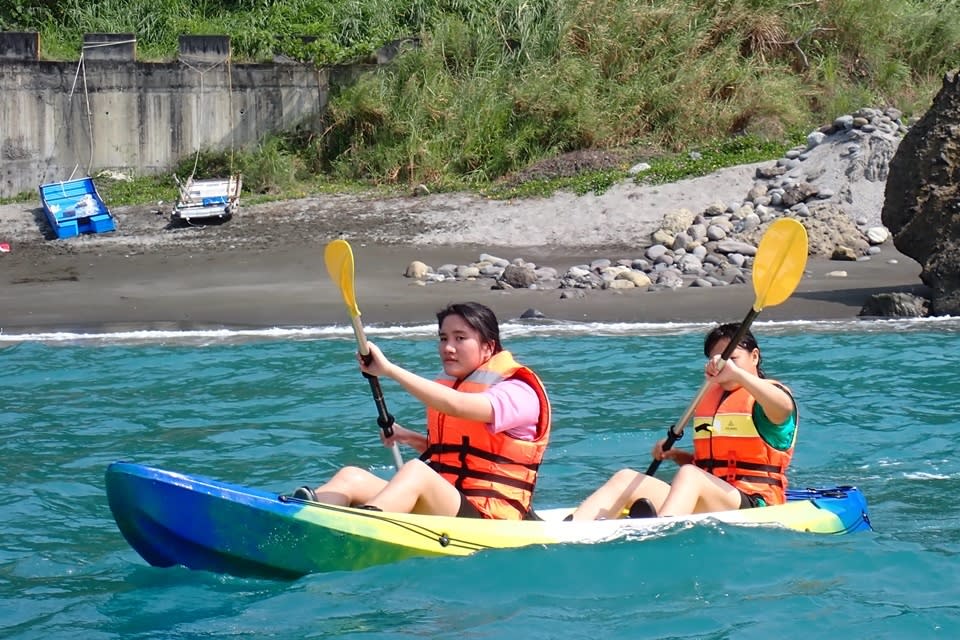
173,519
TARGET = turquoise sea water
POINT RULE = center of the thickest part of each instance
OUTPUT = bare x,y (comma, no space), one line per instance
276,409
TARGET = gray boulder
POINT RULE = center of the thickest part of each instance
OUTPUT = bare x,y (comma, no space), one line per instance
894,305
518,277
922,197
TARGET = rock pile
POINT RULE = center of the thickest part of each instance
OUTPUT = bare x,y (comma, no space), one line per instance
834,185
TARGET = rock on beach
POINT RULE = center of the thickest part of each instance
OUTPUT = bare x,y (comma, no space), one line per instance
834,185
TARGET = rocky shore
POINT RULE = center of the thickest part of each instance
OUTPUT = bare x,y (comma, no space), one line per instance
674,252
834,184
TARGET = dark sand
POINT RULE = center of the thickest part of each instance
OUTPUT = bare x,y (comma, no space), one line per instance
264,268
290,288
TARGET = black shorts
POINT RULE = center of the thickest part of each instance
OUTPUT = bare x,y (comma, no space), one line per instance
467,510
751,500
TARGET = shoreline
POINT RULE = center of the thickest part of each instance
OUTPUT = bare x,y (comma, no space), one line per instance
174,290
264,268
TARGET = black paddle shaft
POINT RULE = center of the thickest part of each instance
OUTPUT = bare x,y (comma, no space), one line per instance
672,435
385,419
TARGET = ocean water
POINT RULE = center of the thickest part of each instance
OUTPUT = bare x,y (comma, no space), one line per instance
276,409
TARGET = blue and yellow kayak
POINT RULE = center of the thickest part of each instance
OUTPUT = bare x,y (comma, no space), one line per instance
176,519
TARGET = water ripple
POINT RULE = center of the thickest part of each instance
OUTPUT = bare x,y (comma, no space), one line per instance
277,409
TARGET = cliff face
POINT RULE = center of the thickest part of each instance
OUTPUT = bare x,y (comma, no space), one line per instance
922,197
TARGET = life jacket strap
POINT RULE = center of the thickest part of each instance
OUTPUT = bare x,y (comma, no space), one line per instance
496,495
724,465
462,474
464,450
757,479
712,463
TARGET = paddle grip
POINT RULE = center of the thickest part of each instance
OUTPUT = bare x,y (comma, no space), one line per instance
671,438
384,418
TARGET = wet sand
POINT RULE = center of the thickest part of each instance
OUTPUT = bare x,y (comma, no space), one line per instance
289,287
264,268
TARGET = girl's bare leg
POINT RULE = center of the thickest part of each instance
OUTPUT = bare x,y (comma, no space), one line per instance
695,491
350,486
624,488
418,489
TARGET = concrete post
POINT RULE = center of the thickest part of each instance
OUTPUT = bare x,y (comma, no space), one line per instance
19,46
115,47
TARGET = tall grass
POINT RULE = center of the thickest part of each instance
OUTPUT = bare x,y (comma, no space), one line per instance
497,85
491,91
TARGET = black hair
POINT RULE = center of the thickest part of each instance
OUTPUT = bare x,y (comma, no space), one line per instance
728,331
480,317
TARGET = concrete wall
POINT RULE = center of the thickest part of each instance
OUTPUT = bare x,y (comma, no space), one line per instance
19,46
108,111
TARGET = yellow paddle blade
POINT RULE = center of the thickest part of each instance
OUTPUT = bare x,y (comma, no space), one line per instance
339,258
779,263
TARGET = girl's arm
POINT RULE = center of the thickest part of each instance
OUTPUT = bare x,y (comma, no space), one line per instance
777,404
679,456
402,435
472,406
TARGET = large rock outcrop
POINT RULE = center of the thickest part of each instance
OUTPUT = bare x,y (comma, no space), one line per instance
922,197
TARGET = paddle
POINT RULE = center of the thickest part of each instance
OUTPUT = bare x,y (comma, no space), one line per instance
777,269
339,258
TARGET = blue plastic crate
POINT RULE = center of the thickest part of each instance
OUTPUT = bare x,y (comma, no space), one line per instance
73,207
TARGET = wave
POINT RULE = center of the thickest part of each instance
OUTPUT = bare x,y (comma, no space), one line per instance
512,329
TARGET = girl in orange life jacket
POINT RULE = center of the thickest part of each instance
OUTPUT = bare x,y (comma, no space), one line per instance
744,431
488,424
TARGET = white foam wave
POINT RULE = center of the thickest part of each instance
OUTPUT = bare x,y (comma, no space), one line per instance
924,475
510,329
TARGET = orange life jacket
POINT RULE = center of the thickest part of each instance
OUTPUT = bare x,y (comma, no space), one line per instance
727,444
496,472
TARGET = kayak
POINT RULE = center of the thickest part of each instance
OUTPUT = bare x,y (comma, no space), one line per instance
200,523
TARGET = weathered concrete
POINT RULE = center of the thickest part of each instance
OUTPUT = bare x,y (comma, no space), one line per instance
110,46
63,119
19,46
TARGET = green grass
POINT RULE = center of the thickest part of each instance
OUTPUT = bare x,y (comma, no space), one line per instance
588,182
137,190
497,86
707,159
663,169
26,196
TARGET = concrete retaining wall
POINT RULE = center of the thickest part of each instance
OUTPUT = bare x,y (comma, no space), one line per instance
108,111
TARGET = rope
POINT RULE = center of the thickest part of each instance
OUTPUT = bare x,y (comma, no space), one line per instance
191,62
198,126
440,537
233,128
81,73
109,44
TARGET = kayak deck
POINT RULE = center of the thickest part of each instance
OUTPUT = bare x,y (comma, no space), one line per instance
201,523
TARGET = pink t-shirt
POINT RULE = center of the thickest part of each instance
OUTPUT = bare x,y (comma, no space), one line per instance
516,409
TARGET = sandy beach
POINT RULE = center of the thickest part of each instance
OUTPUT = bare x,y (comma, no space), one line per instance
264,268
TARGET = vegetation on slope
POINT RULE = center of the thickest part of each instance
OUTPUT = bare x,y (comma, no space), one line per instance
493,87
